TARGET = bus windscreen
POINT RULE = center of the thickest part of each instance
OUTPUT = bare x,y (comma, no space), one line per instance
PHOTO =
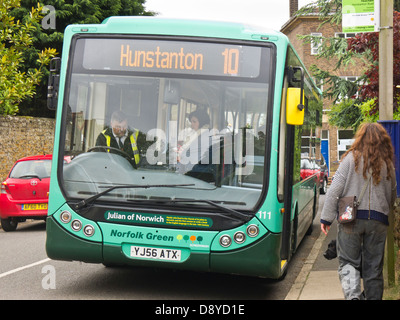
191,113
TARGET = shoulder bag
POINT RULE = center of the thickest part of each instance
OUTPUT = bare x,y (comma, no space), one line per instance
348,205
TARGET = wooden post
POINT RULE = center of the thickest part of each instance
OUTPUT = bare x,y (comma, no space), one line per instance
386,104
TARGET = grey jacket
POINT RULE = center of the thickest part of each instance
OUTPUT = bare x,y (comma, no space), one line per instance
376,201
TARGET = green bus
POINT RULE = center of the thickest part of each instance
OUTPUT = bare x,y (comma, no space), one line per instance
227,194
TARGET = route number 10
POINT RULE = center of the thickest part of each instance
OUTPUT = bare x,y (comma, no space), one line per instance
231,61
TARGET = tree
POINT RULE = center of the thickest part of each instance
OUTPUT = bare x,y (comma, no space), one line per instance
369,43
66,12
78,12
367,115
15,38
345,114
363,47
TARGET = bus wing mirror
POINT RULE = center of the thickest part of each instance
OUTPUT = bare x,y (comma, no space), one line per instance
294,106
53,84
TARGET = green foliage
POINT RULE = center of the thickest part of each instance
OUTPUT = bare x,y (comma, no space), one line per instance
329,11
335,87
66,12
342,52
79,12
367,113
345,115
369,42
16,38
336,48
350,114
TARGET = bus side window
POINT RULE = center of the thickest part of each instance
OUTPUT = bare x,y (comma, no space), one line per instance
282,142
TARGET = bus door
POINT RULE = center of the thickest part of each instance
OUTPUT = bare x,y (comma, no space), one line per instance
293,113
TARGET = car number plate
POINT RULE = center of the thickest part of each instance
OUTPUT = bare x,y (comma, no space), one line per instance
155,253
34,206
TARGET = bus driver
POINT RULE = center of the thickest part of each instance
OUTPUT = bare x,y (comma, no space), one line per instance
120,137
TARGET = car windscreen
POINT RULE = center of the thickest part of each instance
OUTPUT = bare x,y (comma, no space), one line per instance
32,168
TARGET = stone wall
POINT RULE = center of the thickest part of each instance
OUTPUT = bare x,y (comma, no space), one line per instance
21,137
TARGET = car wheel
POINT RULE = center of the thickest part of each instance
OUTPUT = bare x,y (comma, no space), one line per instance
9,224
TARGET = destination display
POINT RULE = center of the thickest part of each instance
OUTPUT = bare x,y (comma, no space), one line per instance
171,57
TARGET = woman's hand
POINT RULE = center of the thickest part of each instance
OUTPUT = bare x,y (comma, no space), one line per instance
325,228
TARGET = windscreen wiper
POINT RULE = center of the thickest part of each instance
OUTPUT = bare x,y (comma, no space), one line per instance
83,203
30,176
237,214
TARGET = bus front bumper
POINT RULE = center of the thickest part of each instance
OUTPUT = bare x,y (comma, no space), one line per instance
261,259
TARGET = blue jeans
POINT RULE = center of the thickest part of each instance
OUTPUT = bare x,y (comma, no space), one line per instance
361,248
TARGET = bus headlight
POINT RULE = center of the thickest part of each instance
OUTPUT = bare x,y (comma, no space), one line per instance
76,225
88,230
65,216
239,237
252,231
225,241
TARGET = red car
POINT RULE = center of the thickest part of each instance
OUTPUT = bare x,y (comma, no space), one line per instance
25,192
309,168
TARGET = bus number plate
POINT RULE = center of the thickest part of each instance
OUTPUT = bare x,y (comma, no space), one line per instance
155,253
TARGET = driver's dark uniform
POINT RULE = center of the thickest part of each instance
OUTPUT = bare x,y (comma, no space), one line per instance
107,139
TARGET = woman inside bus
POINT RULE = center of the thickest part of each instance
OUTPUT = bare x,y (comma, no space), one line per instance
193,150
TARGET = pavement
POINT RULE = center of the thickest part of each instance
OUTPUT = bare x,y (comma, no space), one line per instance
318,279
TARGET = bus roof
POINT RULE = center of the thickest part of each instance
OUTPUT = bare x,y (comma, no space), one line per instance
181,27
